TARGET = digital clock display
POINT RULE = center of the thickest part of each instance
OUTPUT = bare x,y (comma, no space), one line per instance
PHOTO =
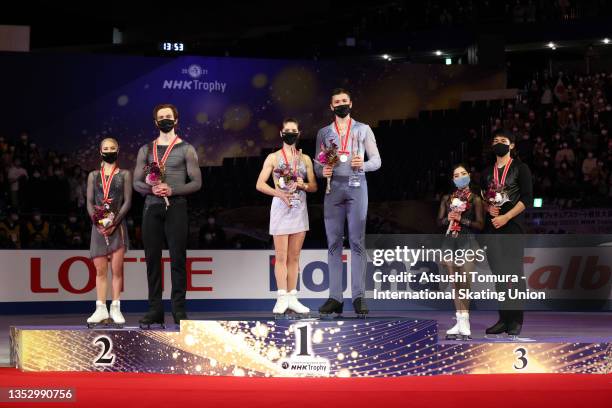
172,46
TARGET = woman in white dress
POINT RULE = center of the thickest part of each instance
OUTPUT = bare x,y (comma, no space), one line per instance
293,176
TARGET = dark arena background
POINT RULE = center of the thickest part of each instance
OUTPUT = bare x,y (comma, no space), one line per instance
515,95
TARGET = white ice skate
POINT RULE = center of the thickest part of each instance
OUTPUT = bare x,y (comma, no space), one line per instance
461,329
282,303
295,305
453,332
465,333
100,316
115,313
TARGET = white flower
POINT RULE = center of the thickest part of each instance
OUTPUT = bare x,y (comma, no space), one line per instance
456,202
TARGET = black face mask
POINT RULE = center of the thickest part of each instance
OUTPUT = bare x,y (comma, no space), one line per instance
109,157
165,125
289,137
342,111
501,149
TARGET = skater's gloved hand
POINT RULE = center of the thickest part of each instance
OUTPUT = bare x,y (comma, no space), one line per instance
500,221
493,211
285,196
357,162
327,171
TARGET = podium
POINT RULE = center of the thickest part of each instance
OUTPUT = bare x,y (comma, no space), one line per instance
373,347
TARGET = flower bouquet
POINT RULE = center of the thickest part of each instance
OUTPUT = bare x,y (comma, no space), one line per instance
287,180
496,195
459,203
103,216
154,175
328,156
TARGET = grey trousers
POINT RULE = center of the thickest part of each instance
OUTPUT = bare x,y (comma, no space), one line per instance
350,204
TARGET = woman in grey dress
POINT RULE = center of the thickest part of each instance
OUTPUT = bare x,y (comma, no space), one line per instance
112,186
288,213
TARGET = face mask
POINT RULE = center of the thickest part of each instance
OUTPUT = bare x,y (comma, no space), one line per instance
109,157
165,125
501,149
342,111
462,182
289,137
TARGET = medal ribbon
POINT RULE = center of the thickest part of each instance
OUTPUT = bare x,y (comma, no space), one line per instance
107,184
166,154
295,163
505,173
344,142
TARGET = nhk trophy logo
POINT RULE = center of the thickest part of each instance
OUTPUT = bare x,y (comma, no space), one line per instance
303,361
199,81
195,71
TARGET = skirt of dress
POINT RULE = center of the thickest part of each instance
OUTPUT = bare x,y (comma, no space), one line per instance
118,239
286,220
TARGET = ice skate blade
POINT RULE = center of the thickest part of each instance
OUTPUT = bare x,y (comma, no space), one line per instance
464,337
144,326
291,315
102,324
518,339
451,337
330,316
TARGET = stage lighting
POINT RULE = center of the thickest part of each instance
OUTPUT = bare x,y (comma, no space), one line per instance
438,53
537,202
449,61
552,45
385,56
606,41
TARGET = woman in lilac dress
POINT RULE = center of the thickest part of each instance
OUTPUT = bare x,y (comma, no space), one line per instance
293,176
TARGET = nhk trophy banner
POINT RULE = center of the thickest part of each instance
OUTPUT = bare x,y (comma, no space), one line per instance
228,107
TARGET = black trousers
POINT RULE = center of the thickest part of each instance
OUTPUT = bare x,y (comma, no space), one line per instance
158,224
505,252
